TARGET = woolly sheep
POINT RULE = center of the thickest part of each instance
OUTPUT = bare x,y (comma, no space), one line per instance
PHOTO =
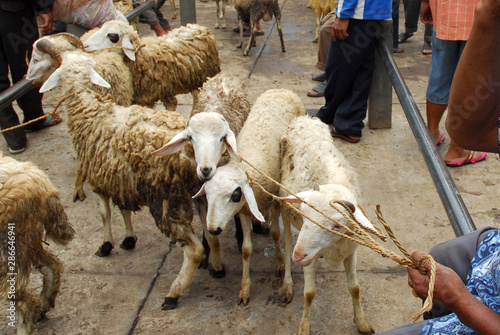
114,146
221,111
258,9
309,158
30,206
321,8
164,66
229,192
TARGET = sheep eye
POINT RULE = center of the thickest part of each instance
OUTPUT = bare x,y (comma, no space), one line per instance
236,196
190,138
223,139
113,37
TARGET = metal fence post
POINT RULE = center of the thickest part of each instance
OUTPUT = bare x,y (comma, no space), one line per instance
188,11
380,100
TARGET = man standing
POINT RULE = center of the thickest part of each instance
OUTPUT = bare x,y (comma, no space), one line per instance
350,65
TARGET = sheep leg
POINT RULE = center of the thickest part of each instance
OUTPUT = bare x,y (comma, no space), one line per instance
216,268
318,23
360,320
195,94
251,41
241,32
128,242
277,15
28,310
275,233
107,245
193,255
309,294
246,225
174,14
221,14
51,268
79,194
287,289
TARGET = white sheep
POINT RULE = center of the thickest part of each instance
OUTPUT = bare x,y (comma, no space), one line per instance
113,146
309,158
30,206
221,14
47,55
164,66
229,192
321,8
258,9
220,113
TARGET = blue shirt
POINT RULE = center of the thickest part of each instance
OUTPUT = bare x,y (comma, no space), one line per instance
483,281
364,9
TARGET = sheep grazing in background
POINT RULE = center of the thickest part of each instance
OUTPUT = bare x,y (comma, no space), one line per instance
258,9
47,56
310,158
30,206
114,148
229,192
162,67
321,8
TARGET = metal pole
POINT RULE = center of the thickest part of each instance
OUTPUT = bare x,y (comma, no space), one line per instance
188,11
450,197
138,10
14,92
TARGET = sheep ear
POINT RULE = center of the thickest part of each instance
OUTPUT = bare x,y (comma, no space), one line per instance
129,48
174,145
231,145
51,82
95,78
252,203
362,219
200,192
294,200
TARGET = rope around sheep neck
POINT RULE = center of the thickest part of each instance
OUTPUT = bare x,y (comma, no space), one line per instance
359,234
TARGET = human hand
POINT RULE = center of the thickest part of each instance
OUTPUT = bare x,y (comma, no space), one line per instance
47,23
339,29
448,287
425,13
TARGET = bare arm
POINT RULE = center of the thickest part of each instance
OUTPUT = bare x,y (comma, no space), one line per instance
474,104
339,29
425,13
450,292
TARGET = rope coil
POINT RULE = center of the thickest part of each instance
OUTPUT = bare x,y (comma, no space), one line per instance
360,234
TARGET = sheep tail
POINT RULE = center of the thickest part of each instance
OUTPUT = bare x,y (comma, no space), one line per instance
57,226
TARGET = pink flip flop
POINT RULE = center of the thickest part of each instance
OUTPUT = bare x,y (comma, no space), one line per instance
469,160
441,140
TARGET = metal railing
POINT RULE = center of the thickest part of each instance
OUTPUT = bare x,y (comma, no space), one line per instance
450,197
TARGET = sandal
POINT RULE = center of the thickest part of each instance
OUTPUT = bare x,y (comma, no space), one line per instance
51,120
403,37
321,77
426,49
318,91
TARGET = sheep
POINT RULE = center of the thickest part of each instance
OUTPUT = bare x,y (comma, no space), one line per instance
113,146
309,158
321,8
47,57
258,9
30,206
164,66
221,14
229,192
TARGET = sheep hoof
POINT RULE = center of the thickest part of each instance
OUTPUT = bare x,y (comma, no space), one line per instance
105,249
217,274
169,304
79,195
128,243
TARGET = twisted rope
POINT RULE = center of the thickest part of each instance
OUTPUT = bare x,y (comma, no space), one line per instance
359,234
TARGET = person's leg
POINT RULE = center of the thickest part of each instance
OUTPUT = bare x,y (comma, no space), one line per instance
325,36
412,15
395,28
162,20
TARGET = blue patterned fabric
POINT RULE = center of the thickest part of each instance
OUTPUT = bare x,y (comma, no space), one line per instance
483,281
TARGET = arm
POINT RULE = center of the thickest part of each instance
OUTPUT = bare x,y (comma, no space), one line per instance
425,13
472,120
44,9
450,292
345,10
339,29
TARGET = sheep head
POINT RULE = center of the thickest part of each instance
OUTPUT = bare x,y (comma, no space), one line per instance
210,135
227,192
114,33
74,67
47,55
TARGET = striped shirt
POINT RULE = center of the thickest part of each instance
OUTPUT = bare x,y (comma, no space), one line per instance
453,18
364,9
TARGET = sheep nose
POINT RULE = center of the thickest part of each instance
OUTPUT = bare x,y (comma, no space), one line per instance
217,232
206,171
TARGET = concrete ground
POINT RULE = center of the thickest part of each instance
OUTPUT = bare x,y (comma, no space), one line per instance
123,293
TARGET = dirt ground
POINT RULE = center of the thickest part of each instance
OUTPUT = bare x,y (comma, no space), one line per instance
123,293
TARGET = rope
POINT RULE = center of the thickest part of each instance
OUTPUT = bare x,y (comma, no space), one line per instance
360,234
